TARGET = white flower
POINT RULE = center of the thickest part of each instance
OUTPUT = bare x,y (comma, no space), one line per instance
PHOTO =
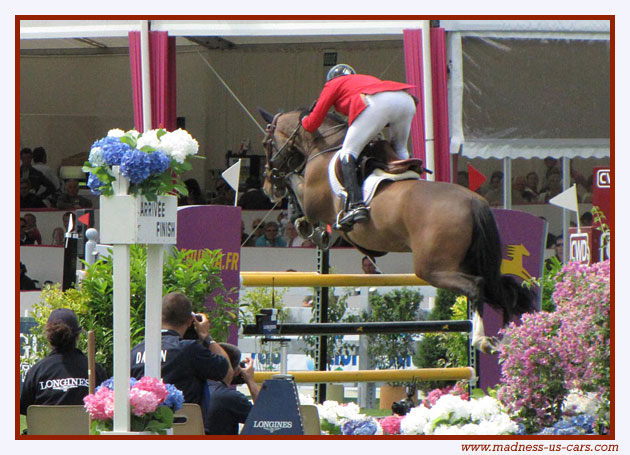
148,138
116,132
484,408
306,399
336,413
415,421
178,145
498,424
450,407
581,403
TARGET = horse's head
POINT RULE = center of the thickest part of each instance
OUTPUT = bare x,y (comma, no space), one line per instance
284,150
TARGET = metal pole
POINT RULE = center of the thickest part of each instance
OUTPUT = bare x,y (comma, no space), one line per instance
507,183
566,213
323,267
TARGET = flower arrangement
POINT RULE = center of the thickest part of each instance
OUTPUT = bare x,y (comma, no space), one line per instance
549,354
152,161
152,405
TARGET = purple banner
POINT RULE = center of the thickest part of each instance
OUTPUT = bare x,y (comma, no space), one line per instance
214,227
523,244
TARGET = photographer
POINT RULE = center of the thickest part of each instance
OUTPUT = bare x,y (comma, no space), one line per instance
229,407
187,364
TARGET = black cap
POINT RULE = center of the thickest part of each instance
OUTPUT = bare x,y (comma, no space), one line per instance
66,316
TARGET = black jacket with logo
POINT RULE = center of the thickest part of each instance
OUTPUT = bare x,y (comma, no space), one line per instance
185,363
58,379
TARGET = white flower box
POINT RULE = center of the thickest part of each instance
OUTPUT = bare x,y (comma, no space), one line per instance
130,220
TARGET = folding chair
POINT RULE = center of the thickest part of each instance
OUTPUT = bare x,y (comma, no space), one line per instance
310,419
57,420
188,420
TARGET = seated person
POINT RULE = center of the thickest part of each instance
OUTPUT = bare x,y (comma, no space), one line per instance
28,199
229,407
254,198
61,378
186,363
70,198
270,236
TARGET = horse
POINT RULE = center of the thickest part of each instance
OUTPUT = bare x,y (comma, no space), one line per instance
450,230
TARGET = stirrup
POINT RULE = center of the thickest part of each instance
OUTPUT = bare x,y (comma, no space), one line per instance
358,214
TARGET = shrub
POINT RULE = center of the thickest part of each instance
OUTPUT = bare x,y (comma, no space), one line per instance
550,353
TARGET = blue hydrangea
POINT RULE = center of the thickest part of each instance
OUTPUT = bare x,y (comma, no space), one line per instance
175,398
584,421
94,184
135,166
96,157
112,150
109,384
158,162
363,427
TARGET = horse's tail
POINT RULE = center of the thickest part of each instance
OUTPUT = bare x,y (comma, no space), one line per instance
484,259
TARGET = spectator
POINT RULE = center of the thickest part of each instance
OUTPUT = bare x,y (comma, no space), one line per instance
254,198
39,184
552,168
530,192
308,243
586,219
559,252
31,229
187,364
228,407
462,179
24,238
58,236
369,266
70,198
551,239
195,196
26,282
28,199
554,186
257,231
65,364
270,236
587,194
224,194
494,195
291,235
518,190
39,162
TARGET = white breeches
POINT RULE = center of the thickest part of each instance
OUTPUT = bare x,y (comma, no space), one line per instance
393,108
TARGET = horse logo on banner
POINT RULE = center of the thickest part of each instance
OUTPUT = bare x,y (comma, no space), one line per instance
514,265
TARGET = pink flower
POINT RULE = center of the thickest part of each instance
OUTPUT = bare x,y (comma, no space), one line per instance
391,424
100,405
142,401
153,385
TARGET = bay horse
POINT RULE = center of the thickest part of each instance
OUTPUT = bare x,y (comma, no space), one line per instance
450,230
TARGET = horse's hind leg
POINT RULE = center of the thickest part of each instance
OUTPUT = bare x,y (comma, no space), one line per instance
470,286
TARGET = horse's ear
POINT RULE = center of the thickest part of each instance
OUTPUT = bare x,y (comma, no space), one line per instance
265,115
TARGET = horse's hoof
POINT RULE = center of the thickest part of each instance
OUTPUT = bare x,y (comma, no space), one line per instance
304,227
489,345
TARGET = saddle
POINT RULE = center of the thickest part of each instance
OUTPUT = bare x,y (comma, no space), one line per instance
379,154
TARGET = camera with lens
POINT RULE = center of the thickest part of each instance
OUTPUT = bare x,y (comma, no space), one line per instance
238,379
191,333
402,407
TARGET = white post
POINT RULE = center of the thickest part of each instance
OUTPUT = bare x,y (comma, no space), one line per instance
153,311
507,183
428,99
566,213
122,348
146,75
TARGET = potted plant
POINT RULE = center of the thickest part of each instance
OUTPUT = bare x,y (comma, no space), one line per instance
152,404
393,350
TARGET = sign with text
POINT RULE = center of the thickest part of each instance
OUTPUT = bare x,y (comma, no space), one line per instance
588,245
214,227
602,181
276,410
129,219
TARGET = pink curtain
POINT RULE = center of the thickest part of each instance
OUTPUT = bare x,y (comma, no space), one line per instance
163,84
412,41
135,60
440,105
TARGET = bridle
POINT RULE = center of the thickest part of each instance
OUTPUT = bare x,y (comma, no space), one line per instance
288,159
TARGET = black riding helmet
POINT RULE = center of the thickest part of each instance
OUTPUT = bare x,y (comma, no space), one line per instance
339,70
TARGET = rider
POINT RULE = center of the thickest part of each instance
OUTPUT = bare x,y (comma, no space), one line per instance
370,104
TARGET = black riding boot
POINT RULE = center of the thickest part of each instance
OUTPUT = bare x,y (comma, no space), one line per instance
357,211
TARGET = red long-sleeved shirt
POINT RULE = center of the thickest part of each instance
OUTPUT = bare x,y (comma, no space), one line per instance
344,92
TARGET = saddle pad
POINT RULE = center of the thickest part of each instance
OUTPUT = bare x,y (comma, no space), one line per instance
370,184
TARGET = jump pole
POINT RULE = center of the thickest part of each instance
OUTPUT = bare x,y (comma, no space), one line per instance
421,374
314,279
